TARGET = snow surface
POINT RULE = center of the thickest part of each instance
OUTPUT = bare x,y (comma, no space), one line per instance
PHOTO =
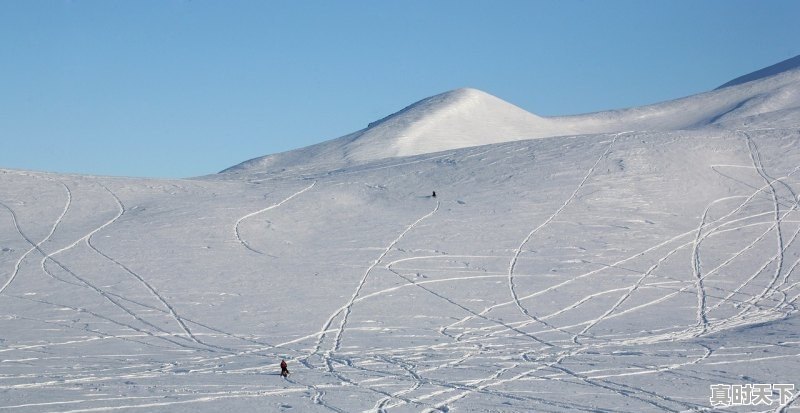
624,271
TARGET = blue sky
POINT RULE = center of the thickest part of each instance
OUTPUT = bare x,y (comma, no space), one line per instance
187,88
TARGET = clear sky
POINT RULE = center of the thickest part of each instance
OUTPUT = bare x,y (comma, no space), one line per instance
187,88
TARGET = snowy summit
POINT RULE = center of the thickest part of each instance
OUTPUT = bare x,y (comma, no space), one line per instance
456,119
635,260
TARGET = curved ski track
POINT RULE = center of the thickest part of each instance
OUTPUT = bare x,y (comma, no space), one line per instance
37,246
260,211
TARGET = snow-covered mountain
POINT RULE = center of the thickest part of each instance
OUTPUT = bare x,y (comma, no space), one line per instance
607,271
456,119
469,117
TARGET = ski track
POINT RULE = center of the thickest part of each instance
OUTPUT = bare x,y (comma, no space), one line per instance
761,237
37,246
260,211
345,310
468,310
172,312
86,283
779,238
697,271
513,263
755,156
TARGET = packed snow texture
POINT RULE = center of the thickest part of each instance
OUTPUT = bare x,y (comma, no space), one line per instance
626,266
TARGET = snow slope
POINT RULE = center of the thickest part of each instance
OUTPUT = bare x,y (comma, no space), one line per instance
456,119
622,272
468,117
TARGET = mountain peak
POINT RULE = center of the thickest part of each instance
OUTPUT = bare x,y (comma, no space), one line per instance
466,93
454,119
461,99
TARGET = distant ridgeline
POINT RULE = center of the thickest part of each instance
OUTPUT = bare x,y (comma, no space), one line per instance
466,117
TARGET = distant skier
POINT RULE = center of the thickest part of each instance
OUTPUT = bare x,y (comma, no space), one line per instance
434,194
284,369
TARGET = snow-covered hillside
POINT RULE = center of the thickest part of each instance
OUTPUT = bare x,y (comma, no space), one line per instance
467,117
626,271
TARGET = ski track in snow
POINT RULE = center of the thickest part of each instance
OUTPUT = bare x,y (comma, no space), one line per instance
345,310
781,246
513,263
349,306
37,246
172,312
87,239
239,221
114,300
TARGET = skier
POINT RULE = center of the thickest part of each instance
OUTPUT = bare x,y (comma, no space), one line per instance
284,369
434,194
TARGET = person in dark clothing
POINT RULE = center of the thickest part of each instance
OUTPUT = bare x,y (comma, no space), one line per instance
284,369
434,194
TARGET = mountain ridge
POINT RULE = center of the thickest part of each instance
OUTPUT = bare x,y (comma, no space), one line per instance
792,63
